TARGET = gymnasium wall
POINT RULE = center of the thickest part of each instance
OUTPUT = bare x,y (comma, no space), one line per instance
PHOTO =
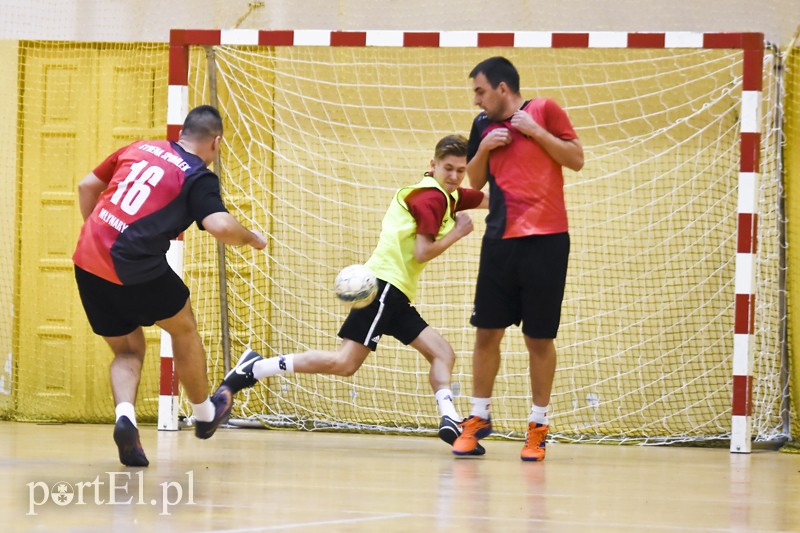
8,221
147,20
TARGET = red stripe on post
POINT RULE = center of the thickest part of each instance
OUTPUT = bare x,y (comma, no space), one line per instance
177,37
411,39
203,37
646,40
752,41
169,379
745,311
745,41
747,233
488,40
349,38
752,70
742,395
749,151
174,131
178,65
276,38
722,40
570,40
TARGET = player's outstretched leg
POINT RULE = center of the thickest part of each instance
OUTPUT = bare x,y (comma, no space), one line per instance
449,432
223,403
126,435
241,376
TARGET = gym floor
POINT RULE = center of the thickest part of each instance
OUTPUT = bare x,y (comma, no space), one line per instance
68,478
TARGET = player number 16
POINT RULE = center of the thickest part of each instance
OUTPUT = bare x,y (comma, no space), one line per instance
136,188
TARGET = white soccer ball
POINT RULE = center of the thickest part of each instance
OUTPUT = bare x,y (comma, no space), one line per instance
356,285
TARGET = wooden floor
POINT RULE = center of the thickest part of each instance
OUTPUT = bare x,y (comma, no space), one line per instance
59,478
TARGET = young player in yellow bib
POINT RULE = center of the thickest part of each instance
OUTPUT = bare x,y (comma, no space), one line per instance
422,221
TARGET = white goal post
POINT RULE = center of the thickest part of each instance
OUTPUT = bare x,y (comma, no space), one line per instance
670,328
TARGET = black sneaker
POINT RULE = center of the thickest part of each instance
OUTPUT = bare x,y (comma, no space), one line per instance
130,447
449,432
223,402
241,376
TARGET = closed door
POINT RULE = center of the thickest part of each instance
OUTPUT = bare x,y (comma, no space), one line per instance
79,103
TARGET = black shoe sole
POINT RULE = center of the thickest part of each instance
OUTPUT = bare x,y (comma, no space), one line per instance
126,436
235,381
204,430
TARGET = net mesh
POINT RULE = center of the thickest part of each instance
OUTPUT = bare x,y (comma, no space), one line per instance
317,141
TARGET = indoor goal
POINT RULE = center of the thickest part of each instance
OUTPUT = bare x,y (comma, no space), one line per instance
673,319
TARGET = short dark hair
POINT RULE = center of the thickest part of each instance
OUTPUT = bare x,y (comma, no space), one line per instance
202,122
498,69
450,145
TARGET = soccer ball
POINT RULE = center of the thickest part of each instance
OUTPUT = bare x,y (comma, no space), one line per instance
356,285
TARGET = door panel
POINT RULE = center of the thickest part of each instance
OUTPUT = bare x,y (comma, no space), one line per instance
80,102
56,137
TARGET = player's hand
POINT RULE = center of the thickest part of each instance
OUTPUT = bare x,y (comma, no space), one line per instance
258,242
525,124
463,224
496,138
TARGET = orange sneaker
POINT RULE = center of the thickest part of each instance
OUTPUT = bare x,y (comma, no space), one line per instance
535,441
473,429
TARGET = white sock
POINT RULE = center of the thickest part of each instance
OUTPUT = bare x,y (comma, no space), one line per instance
444,400
126,409
538,414
480,407
282,364
203,412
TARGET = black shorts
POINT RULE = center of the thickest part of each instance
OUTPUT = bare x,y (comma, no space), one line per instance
522,280
115,310
391,313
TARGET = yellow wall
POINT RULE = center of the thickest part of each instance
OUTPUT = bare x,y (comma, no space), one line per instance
8,163
792,180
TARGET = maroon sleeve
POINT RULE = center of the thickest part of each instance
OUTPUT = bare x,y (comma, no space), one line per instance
468,199
105,170
557,121
428,207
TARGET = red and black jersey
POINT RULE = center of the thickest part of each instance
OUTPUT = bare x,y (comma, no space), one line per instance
156,189
526,194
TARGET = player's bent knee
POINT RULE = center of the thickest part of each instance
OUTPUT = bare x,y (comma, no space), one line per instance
347,369
447,356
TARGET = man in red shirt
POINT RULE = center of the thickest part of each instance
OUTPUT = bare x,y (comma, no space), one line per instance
519,146
136,201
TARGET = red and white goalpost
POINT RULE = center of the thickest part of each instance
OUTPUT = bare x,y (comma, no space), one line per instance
260,132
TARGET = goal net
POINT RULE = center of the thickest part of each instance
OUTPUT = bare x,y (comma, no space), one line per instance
317,140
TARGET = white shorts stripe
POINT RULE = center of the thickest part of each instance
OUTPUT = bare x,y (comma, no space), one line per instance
378,314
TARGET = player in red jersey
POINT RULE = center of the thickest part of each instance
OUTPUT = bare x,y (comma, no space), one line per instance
133,204
519,146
